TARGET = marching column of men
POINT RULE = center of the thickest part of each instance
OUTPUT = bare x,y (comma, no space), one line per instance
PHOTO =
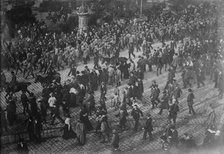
80,91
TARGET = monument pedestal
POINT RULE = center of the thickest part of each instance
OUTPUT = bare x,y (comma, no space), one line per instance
83,21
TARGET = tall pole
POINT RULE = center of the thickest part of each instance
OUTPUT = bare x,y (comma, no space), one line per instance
141,9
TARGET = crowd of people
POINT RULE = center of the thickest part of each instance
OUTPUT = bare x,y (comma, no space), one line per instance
197,56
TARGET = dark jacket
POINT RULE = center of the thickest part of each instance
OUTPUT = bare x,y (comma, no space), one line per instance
190,98
174,109
136,113
148,125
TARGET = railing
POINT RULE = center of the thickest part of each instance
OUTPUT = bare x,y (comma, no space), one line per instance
46,133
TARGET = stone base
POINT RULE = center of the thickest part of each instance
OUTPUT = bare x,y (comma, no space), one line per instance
83,21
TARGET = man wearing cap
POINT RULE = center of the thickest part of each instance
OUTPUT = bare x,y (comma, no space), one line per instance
190,101
148,128
136,113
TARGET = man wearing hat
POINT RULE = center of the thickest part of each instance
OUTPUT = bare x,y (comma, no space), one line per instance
190,101
136,113
148,128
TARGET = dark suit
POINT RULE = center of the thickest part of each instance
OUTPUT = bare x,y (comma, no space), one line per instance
190,103
173,112
136,116
148,128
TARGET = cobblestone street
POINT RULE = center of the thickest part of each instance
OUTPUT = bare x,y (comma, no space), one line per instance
132,142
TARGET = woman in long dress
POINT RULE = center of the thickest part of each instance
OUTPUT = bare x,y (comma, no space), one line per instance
81,132
84,118
68,131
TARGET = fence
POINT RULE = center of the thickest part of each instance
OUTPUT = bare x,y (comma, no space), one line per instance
13,136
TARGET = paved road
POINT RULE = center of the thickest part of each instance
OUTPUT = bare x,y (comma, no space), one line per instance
133,142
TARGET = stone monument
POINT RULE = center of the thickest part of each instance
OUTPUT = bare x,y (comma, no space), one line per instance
83,13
